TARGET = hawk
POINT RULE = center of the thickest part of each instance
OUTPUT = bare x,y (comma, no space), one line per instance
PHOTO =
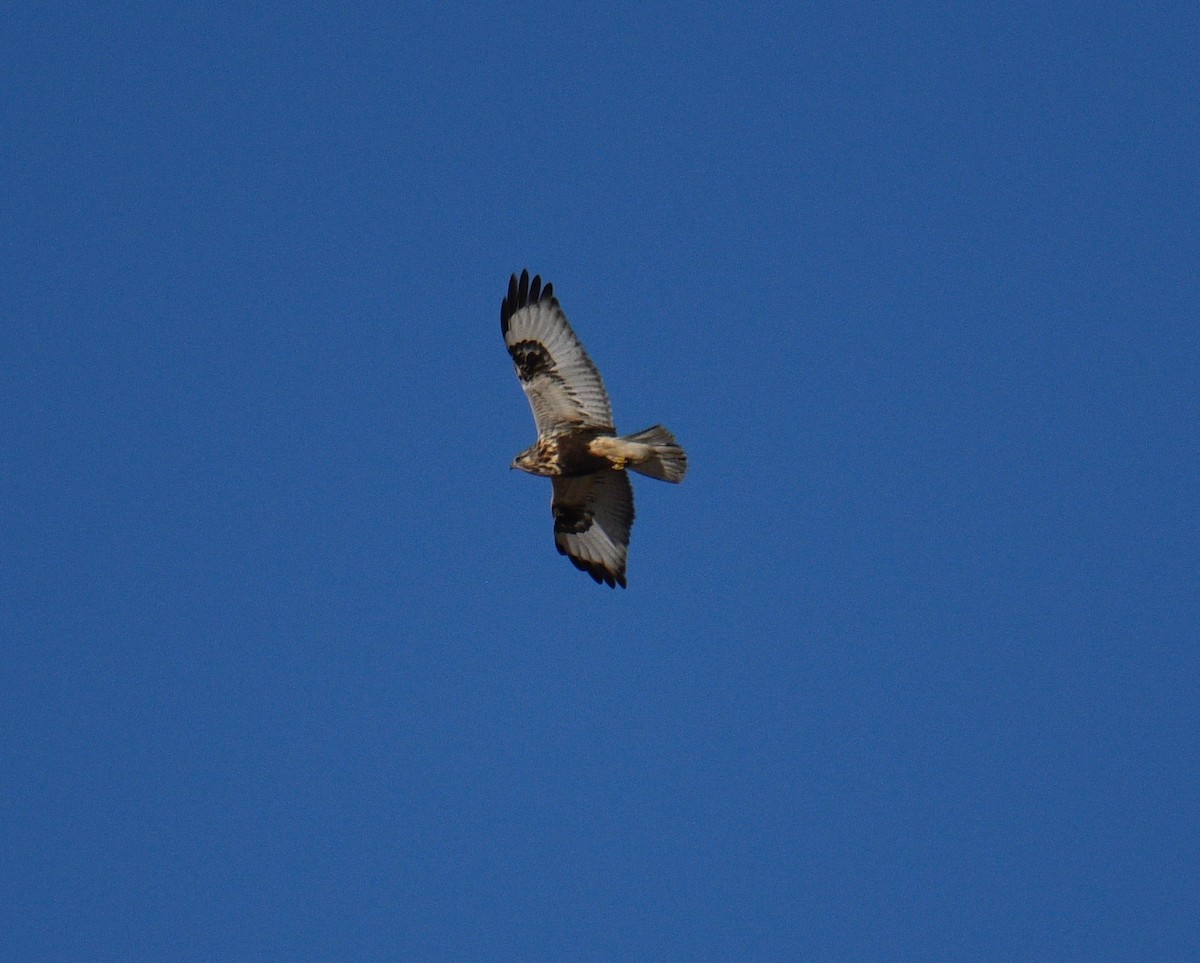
578,448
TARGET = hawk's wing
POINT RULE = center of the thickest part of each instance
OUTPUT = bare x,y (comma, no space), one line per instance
592,518
563,385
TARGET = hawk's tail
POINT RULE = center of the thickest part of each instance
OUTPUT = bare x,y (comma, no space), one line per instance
666,460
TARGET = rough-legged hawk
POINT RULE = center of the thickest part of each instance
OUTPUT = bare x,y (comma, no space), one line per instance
577,446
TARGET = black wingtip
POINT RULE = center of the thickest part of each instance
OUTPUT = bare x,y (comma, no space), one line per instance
600,575
522,292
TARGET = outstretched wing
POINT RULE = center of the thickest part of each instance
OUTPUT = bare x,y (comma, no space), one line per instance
563,386
592,518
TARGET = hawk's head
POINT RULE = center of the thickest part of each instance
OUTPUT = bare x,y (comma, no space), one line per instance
537,459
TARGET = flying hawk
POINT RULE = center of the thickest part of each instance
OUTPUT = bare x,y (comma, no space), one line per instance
578,448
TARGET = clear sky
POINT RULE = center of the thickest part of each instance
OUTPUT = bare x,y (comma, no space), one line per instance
907,667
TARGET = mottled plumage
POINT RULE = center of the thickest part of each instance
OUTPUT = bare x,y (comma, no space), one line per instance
578,447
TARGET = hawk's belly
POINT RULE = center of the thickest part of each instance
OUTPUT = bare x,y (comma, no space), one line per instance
573,456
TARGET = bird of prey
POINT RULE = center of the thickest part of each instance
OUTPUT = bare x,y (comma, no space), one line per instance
577,447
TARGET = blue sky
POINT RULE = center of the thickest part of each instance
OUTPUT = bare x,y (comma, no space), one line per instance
906,669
